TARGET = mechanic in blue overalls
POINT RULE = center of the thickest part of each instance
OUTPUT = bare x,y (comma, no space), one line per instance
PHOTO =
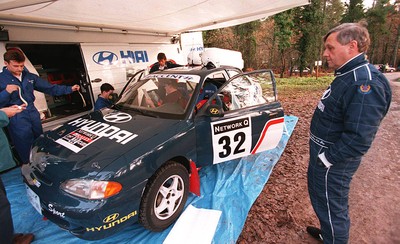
16,88
343,127
103,101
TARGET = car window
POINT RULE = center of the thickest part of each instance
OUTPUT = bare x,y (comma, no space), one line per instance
248,90
158,94
232,73
217,75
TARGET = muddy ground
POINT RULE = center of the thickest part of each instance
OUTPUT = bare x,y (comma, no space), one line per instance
283,209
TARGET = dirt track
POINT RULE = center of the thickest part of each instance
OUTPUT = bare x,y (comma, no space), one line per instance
283,210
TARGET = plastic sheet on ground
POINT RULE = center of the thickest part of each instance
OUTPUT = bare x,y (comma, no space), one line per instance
231,187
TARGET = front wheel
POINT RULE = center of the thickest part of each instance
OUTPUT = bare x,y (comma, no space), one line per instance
164,197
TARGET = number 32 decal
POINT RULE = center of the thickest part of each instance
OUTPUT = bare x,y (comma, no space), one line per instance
231,139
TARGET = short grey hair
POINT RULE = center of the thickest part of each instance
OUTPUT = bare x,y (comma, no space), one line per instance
348,32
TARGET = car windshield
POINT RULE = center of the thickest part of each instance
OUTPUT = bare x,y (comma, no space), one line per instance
159,95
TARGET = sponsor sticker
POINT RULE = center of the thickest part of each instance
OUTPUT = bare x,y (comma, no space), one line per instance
111,221
54,211
117,117
192,78
231,139
77,140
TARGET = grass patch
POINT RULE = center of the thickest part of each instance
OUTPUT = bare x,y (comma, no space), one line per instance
306,83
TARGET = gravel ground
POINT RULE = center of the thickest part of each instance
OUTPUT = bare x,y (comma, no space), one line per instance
283,209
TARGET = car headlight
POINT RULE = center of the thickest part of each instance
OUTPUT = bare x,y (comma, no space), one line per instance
91,189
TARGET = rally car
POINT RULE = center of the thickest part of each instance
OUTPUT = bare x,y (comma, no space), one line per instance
131,163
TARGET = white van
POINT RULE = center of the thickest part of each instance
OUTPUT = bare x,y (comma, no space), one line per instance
89,59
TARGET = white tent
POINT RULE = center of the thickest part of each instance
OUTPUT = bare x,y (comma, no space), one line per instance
166,17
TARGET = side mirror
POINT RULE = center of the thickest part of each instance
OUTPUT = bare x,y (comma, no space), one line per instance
215,110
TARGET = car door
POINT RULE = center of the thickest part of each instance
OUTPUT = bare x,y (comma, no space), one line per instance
249,121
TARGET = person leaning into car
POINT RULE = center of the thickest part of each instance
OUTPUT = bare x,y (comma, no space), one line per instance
343,127
162,63
7,235
16,87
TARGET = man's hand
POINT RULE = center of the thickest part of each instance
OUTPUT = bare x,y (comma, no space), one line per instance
75,88
26,172
12,110
150,102
11,88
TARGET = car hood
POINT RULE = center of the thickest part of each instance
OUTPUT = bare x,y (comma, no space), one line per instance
90,143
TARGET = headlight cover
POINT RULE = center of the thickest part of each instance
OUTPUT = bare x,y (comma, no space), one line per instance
91,189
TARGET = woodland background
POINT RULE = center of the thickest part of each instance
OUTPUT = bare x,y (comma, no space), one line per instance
291,42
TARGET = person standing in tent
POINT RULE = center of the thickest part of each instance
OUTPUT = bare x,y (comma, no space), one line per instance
16,87
343,127
7,235
163,63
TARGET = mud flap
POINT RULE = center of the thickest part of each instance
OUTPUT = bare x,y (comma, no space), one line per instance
194,179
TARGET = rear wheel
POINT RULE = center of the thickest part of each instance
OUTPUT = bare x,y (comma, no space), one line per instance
164,197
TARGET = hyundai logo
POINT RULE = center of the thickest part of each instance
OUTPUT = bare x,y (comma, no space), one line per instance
117,117
111,218
104,57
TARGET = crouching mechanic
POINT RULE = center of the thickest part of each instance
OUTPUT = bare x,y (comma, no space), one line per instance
103,101
343,127
16,87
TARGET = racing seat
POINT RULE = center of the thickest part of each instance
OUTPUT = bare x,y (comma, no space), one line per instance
207,91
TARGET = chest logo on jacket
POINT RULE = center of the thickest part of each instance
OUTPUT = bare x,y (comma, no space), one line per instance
365,89
326,94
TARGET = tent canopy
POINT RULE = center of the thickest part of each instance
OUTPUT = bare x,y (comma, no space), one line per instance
167,17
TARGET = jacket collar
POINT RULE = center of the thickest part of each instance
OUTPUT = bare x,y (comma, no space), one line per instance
6,71
351,64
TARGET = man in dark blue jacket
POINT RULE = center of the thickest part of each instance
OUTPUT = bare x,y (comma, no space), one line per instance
103,101
343,127
162,63
16,88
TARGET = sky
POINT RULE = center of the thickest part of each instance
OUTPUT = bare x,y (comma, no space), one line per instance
368,3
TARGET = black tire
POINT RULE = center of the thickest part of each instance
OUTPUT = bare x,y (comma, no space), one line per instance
165,196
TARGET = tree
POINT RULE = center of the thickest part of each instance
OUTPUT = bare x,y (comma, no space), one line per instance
221,38
333,14
245,41
379,31
283,33
309,25
295,36
354,12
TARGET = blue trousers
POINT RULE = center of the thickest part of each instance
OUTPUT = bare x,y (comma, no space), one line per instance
329,195
24,128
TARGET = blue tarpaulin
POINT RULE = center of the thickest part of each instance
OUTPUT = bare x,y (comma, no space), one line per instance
231,187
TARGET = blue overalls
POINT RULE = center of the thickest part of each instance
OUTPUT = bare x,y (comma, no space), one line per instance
26,126
342,129
102,103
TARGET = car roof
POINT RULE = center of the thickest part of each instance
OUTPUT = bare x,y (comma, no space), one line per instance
196,70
